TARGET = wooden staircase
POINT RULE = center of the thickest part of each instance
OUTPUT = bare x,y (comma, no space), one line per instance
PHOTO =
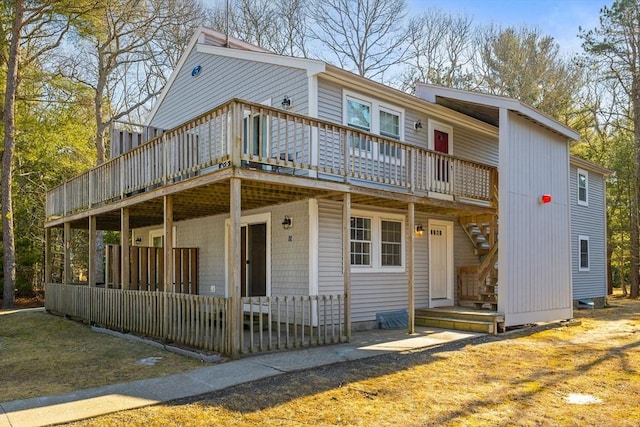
460,319
479,284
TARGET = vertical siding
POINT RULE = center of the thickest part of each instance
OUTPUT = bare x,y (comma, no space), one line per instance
588,221
223,78
535,256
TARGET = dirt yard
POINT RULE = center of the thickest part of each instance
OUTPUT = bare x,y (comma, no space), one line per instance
570,376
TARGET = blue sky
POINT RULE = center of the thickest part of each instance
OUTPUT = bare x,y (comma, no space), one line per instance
557,18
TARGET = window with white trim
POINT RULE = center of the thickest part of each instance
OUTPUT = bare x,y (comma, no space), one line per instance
583,253
359,117
583,187
360,240
369,115
391,243
377,241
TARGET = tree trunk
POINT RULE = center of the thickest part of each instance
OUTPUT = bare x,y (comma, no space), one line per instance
635,234
8,238
609,260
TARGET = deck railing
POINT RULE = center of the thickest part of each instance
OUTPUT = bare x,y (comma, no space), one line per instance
244,134
202,322
275,323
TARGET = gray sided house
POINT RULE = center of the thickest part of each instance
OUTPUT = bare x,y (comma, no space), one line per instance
588,233
275,202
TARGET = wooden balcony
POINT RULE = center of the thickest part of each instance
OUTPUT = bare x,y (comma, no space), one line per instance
240,135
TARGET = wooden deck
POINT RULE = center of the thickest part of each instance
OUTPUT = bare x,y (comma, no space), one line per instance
298,154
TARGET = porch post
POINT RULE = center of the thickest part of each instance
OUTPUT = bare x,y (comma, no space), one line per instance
410,267
67,254
235,294
47,255
168,259
93,251
125,276
346,261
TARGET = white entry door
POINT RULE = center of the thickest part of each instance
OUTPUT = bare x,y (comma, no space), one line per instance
441,263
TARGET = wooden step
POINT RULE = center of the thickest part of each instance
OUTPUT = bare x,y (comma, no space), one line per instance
463,313
484,326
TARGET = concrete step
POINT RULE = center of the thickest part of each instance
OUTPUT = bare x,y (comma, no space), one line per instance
487,327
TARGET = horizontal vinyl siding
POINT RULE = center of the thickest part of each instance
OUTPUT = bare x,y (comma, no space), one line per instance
477,146
207,234
223,78
329,101
535,256
289,249
371,292
588,221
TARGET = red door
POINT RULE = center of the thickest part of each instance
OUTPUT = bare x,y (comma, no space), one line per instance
441,145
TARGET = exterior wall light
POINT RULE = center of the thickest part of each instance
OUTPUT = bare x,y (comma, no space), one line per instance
286,222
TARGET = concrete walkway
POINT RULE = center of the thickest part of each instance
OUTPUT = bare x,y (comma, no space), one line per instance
97,401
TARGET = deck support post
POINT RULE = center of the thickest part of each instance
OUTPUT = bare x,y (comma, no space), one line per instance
235,283
125,276
47,255
346,261
168,259
93,251
410,267
67,254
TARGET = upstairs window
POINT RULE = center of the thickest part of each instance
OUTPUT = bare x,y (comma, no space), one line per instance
368,115
583,187
359,117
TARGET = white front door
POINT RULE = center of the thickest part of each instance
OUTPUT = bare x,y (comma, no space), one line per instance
440,263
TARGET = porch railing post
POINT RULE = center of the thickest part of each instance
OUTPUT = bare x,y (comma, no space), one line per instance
346,261
67,253
124,249
235,295
410,255
168,260
236,134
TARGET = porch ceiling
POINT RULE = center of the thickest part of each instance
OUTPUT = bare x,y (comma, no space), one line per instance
259,190
204,200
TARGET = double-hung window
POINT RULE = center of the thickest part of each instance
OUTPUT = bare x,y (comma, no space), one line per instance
360,240
583,187
377,241
389,127
583,253
369,115
390,243
359,117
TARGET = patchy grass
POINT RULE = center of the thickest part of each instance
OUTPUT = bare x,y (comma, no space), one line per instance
524,378
42,354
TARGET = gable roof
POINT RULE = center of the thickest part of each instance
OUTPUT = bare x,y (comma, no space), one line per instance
590,166
486,107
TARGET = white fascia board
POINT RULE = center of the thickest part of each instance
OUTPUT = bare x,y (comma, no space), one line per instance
430,93
392,95
590,166
312,67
